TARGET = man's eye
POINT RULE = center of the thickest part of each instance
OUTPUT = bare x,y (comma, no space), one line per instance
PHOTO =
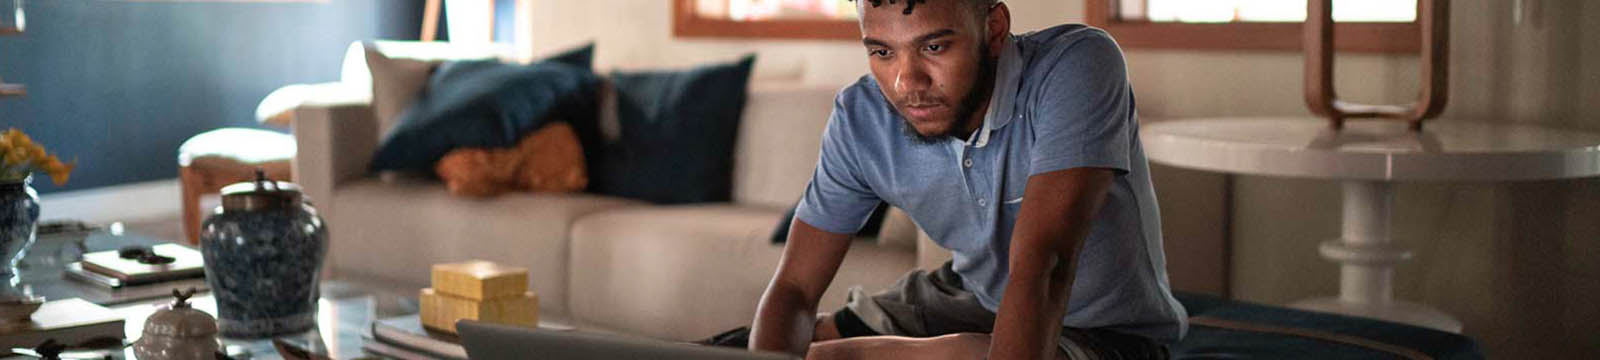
934,47
878,53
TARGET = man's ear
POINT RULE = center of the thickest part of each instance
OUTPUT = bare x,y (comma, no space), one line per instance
999,26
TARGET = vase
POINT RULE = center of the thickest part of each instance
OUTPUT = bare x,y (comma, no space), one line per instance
263,252
19,215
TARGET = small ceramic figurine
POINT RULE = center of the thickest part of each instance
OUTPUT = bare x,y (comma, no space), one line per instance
178,333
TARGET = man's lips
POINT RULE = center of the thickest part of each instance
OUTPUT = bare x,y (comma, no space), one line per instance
923,111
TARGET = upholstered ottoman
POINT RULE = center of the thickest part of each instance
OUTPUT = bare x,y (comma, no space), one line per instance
216,158
1227,329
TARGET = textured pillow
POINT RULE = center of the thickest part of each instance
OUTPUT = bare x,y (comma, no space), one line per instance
677,134
547,160
486,104
397,82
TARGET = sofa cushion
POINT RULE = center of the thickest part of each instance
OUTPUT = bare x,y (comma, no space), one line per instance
691,271
393,230
677,134
779,136
488,104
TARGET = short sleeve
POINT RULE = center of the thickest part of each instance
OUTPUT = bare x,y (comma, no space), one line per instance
1084,112
837,200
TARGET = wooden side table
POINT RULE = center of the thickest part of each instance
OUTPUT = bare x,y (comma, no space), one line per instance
217,158
1367,157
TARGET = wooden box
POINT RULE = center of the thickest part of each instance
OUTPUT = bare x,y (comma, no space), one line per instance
480,280
441,311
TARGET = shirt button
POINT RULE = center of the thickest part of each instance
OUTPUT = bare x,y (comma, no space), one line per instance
982,202
966,163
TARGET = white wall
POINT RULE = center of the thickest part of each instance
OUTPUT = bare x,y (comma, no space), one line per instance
1516,262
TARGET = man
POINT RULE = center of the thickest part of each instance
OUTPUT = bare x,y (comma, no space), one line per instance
1020,154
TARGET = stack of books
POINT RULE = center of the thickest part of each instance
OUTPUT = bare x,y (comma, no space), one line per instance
163,263
69,322
405,338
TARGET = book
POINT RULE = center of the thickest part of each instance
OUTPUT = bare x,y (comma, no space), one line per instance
407,333
71,321
392,352
187,263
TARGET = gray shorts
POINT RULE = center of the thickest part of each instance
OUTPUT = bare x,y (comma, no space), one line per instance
927,304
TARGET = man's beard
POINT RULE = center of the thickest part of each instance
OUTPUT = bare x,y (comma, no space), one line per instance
969,102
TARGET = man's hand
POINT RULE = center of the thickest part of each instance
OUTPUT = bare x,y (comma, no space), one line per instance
788,311
1054,219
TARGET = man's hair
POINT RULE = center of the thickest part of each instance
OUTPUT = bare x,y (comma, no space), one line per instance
979,7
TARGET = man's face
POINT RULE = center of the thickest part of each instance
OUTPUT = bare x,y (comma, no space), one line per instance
933,65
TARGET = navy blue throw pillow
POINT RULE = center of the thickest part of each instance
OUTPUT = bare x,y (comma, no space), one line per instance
485,103
678,130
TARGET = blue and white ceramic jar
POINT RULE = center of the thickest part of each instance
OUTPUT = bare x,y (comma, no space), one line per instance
263,250
19,217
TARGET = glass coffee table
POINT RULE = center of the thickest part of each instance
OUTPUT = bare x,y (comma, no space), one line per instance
345,312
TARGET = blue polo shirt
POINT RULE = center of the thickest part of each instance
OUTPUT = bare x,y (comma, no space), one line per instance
1061,101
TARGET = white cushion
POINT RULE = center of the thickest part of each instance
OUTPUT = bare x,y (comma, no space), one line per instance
395,230
779,136
688,272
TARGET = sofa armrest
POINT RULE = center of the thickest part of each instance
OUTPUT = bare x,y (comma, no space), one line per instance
335,142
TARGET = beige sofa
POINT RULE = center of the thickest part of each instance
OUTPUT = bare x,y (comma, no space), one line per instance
670,272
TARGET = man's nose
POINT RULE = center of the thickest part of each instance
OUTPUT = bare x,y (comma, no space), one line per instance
911,76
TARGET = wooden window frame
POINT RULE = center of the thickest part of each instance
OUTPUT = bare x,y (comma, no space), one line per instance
1363,37
685,23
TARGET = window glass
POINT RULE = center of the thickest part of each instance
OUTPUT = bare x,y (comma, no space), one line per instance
1224,11
762,10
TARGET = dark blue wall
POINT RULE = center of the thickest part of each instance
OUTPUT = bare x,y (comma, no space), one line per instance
118,85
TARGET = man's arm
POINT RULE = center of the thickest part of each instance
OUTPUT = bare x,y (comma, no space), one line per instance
1049,232
788,311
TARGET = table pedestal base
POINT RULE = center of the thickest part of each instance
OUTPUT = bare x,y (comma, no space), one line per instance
1367,259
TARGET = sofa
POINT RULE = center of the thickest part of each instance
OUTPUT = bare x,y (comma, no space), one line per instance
677,272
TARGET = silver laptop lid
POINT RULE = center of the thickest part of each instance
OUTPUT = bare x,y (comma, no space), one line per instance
485,341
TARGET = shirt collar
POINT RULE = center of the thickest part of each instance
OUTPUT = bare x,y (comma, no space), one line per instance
1002,103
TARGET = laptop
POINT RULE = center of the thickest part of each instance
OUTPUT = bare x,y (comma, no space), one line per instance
486,341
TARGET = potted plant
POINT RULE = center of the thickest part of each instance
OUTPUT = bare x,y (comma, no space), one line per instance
20,157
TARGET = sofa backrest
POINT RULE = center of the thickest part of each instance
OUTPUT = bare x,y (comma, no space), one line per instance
779,136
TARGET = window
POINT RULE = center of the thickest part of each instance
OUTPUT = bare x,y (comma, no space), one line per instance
1365,25
784,19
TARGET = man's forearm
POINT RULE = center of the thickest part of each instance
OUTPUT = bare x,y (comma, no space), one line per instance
784,322
1035,301
1048,235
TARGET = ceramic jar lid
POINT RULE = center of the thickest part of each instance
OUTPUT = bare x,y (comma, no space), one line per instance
260,194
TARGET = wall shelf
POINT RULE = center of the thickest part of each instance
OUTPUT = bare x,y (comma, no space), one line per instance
9,90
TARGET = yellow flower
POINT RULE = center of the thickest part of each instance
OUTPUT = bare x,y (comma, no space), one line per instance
37,154
15,158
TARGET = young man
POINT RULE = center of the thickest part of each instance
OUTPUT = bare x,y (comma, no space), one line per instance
1021,155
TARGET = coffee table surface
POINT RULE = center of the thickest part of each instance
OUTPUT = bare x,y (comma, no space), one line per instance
345,312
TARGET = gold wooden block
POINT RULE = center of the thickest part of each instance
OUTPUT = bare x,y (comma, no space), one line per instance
440,311
480,280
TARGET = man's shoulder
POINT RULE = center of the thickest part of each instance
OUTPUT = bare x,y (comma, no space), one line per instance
1064,35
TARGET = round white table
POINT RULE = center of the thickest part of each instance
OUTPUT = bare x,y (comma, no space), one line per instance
1367,157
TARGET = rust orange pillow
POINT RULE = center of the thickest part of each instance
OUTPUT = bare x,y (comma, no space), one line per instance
547,160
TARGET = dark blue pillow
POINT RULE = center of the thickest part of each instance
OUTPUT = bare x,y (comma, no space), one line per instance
678,130
485,103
